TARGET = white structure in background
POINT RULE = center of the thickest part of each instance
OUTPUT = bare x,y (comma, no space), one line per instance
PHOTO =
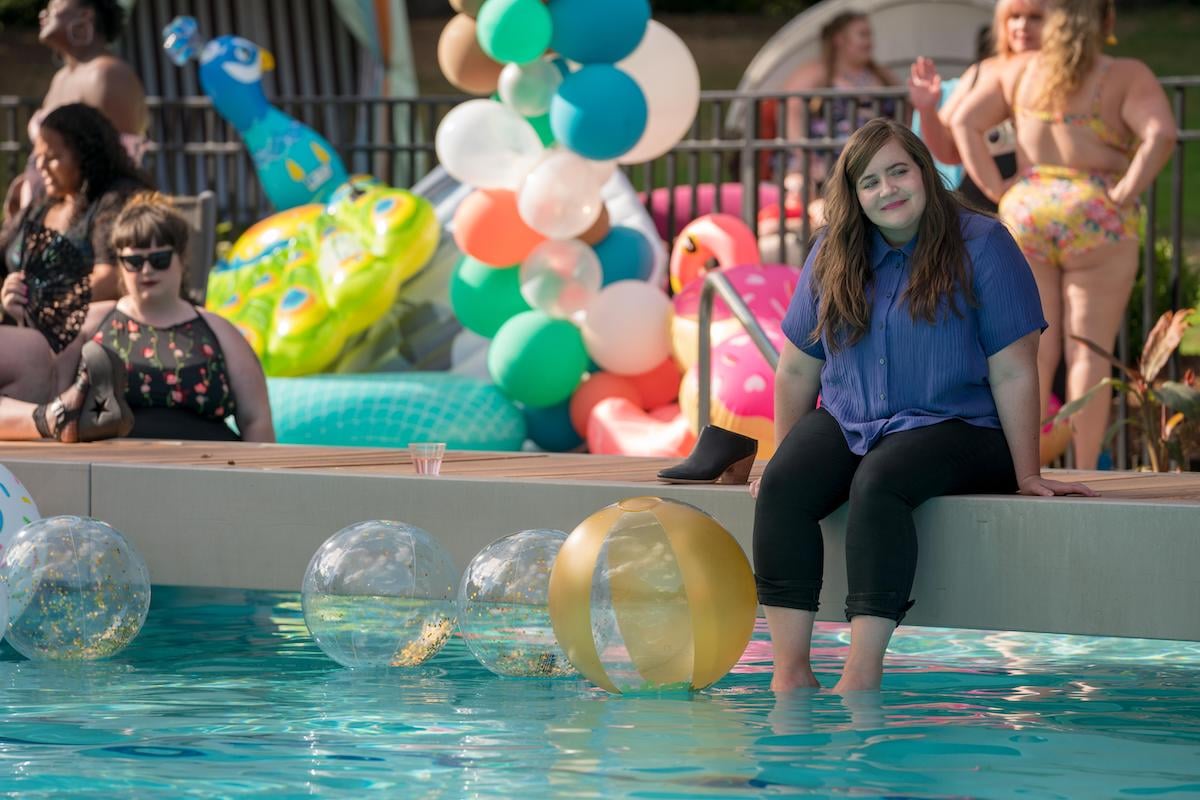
944,30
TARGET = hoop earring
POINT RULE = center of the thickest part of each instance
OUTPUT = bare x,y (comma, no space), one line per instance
77,41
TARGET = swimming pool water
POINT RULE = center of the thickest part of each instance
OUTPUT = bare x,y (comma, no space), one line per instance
225,694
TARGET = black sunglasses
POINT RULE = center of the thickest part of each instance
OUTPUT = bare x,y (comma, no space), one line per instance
159,259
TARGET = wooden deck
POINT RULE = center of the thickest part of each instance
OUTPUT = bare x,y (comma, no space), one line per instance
1144,486
250,516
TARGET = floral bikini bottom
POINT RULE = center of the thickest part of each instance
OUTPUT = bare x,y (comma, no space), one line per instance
1057,212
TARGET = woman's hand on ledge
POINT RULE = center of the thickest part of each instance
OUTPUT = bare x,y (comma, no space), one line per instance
1038,486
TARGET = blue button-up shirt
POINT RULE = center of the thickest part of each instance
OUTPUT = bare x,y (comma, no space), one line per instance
905,373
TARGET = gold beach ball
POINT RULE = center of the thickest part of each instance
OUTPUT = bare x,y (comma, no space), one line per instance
650,594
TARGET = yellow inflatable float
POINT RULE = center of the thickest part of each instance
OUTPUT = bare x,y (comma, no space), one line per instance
300,283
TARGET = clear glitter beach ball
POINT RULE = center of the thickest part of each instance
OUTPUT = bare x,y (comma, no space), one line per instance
503,611
77,590
379,594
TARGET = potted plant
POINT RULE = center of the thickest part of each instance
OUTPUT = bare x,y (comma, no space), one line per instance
1158,408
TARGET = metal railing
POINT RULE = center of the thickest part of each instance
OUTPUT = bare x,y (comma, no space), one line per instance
737,139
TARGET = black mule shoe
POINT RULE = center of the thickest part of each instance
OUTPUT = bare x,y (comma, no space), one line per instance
720,456
104,414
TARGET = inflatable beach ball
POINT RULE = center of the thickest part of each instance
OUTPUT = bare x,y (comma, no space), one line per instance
17,508
650,594
379,594
502,611
77,590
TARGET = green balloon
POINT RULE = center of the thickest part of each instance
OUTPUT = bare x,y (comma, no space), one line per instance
536,359
515,31
542,126
485,297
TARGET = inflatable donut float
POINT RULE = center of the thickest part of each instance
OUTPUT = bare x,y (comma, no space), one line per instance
766,288
617,426
742,393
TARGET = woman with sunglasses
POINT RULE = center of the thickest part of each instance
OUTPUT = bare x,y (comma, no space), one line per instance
149,365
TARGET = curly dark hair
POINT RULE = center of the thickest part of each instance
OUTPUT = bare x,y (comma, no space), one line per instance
110,17
103,161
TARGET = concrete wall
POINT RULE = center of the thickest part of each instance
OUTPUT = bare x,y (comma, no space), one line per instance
1097,566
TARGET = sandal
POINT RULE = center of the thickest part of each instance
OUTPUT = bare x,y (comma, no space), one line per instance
105,414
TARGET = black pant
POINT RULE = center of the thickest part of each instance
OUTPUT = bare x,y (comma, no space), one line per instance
813,472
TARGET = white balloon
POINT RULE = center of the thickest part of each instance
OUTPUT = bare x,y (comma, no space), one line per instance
627,328
561,277
528,88
663,66
487,145
560,197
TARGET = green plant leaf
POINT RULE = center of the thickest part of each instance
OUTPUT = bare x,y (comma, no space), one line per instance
1070,408
1162,341
1180,397
1114,429
1100,351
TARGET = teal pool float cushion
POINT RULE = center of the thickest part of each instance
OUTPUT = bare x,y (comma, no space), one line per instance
393,409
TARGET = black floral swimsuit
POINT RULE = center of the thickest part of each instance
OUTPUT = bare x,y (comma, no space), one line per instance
179,385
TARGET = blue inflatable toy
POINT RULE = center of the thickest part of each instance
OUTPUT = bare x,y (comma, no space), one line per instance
295,164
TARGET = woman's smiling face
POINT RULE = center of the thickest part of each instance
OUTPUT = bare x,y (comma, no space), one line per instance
891,193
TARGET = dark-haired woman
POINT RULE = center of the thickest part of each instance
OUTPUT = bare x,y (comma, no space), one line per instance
80,32
150,365
56,254
917,322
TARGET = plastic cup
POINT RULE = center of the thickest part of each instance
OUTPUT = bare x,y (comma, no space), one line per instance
427,457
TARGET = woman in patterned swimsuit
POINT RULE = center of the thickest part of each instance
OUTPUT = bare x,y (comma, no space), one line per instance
170,369
1092,133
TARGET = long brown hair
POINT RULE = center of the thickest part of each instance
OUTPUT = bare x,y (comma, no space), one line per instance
1071,42
842,269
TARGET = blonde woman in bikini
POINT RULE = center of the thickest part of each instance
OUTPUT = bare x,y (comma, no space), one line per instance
1092,133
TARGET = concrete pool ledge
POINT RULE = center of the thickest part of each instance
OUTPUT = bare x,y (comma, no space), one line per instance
1125,564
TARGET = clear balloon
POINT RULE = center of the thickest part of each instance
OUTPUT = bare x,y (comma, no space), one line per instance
560,197
77,590
561,277
627,328
487,145
378,594
503,611
528,88
664,68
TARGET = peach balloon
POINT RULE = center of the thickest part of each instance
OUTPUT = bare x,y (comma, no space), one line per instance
627,327
659,386
468,7
618,427
714,241
463,61
595,234
766,288
597,387
488,228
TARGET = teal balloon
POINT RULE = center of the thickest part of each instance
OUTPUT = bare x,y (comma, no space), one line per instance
599,112
551,429
537,360
516,31
625,254
484,297
598,31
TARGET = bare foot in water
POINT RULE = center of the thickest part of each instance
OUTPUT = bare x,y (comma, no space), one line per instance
795,679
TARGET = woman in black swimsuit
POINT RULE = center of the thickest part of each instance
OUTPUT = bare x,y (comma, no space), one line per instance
56,254
158,364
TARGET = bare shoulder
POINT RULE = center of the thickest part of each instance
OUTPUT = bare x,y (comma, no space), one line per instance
95,315
113,68
806,76
1131,70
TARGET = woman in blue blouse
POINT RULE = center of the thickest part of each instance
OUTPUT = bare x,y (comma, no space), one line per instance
917,322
